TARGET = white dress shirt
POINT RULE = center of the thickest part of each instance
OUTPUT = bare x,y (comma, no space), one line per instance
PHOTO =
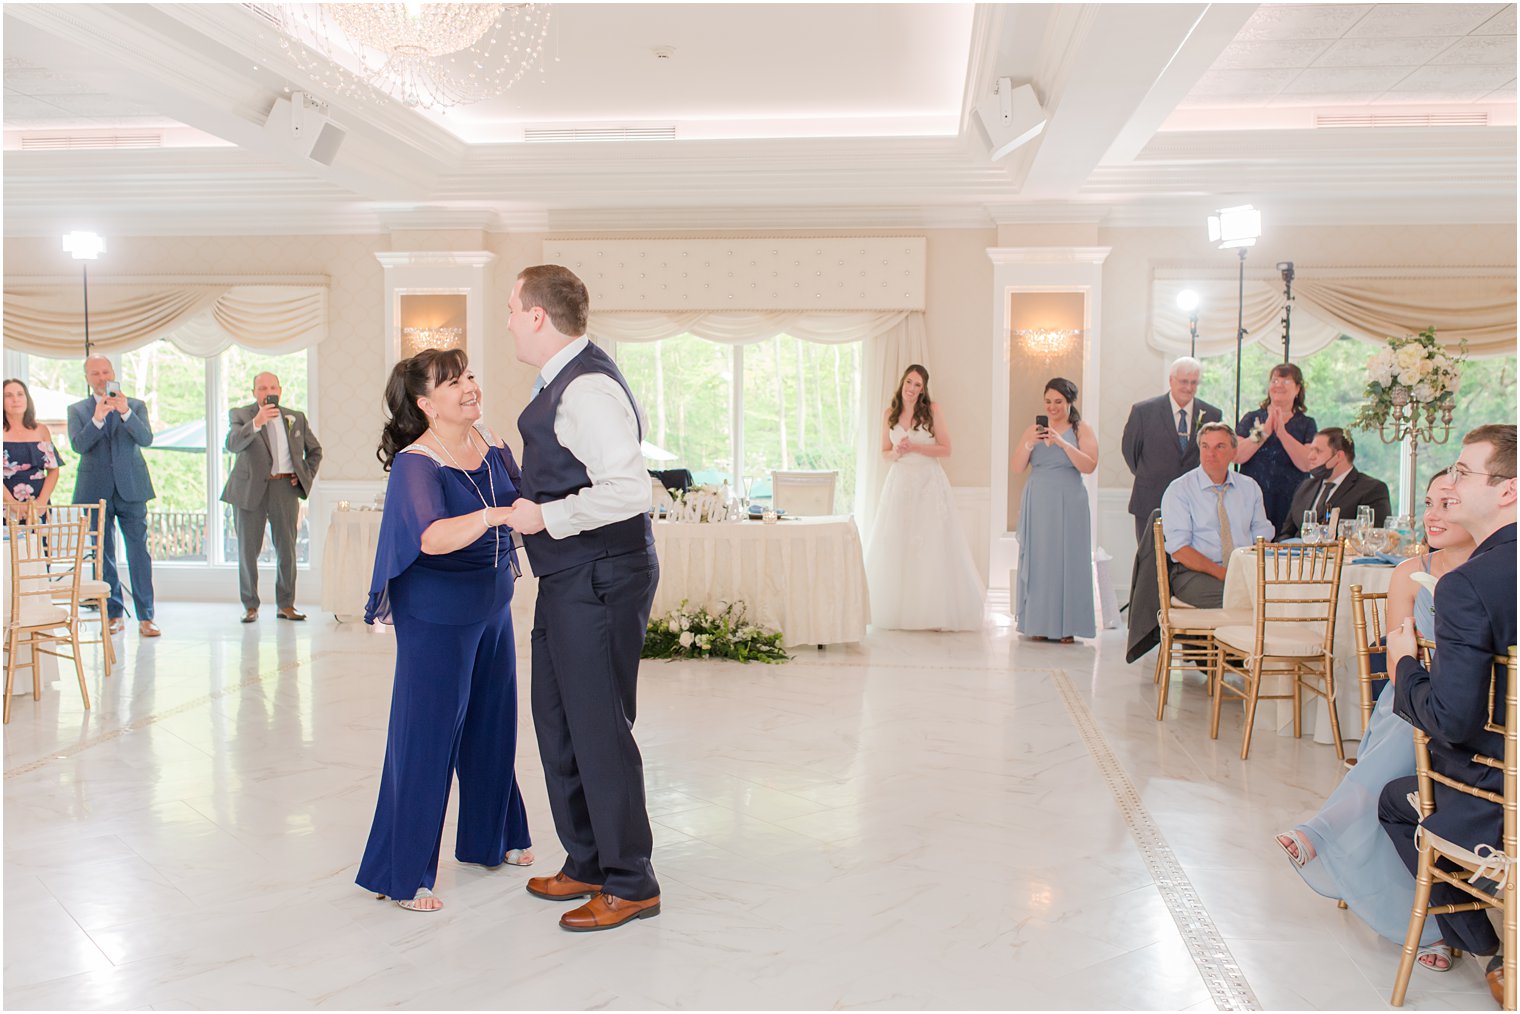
596,422
100,424
279,447
1187,411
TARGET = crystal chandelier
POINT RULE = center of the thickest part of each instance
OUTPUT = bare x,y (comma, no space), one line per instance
1047,342
418,338
425,56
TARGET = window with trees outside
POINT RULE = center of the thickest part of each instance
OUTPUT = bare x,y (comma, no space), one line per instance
1334,379
187,400
732,413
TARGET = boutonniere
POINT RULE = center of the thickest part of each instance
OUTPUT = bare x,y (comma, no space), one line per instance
1197,420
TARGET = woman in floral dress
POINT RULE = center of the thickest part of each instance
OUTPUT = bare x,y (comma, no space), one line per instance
31,464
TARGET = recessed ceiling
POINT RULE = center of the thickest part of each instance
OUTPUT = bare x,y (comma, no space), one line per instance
1364,54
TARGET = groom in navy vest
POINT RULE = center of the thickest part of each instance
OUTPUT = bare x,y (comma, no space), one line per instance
585,524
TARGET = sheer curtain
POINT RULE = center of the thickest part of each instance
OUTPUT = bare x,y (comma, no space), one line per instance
1475,303
891,340
202,317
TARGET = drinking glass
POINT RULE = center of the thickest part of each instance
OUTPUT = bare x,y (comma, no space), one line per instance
1345,530
1307,524
1310,532
1365,517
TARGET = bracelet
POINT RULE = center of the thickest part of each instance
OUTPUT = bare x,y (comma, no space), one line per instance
485,520
1029,447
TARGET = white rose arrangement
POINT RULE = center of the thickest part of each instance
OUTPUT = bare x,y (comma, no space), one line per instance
697,633
1415,369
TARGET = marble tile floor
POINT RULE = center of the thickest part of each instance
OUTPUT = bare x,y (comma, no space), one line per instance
917,821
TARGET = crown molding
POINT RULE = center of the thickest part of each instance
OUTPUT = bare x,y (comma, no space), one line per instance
1048,254
453,258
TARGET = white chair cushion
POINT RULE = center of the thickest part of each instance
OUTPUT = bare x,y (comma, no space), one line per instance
42,614
1208,619
1281,639
89,589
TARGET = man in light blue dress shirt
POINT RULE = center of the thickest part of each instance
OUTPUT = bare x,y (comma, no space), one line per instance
1193,513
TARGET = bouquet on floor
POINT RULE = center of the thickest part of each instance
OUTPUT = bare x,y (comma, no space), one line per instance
1414,370
697,633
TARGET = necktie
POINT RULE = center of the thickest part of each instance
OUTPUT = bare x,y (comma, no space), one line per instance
1324,498
1226,539
1182,430
538,385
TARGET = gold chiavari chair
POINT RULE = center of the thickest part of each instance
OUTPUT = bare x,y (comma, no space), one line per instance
1495,866
1187,632
1292,636
1369,622
46,560
92,588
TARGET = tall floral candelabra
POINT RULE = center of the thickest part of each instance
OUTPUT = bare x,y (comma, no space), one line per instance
1411,392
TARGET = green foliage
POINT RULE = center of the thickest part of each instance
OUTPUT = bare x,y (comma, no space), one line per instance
1334,381
698,633
801,405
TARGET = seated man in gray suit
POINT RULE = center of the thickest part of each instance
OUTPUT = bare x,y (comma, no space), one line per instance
1205,514
1334,482
277,459
108,431
1161,439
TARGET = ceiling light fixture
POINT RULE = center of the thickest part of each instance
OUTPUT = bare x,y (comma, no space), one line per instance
1047,342
425,56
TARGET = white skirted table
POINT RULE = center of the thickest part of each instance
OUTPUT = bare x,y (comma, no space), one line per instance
348,560
803,576
1240,593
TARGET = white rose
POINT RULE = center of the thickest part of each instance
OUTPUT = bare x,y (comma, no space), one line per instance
685,623
1423,392
686,639
1409,355
1425,367
1409,377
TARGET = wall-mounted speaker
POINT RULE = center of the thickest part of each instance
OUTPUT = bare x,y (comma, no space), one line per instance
1012,116
301,122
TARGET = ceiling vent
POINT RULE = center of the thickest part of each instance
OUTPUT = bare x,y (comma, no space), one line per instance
541,135
1452,119
87,142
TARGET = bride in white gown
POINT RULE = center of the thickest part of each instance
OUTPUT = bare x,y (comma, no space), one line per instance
918,564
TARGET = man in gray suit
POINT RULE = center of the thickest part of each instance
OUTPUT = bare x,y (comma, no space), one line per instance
277,459
1161,439
108,431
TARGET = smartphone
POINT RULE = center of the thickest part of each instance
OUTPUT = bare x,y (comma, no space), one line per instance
271,399
1042,421
112,389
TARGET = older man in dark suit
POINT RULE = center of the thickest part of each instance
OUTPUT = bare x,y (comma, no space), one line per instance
277,460
1475,620
1334,482
1161,438
108,431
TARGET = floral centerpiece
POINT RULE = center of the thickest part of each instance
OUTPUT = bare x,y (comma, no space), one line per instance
697,633
1413,370
701,504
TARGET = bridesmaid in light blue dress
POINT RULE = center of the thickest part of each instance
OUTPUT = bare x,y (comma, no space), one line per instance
1342,851
1055,585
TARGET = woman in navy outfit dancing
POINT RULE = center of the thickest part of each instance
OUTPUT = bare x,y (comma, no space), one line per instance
443,576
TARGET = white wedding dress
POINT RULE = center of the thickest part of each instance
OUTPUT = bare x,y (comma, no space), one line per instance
918,564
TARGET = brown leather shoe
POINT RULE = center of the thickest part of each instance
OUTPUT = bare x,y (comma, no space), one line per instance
249,615
608,912
289,613
560,887
1495,978
147,628
118,624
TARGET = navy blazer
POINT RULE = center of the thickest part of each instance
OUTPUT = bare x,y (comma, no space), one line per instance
111,464
1475,620
1151,451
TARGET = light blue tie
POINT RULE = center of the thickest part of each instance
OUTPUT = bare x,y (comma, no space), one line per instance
538,385
1182,430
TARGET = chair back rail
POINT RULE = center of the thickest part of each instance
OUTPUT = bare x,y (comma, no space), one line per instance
1369,614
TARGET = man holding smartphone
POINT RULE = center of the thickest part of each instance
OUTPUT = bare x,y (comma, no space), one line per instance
276,460
108,431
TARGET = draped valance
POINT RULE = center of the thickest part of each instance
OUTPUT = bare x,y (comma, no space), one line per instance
745,328
201,315
1475,303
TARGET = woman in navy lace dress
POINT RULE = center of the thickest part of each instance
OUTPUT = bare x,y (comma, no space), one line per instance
443,576
31,463
1275,439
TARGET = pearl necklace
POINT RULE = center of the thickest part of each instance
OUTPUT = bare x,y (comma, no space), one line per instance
491,479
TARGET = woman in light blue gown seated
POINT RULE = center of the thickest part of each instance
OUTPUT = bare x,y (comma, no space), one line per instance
1342,851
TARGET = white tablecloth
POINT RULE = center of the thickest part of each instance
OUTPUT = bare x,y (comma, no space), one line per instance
805,576
348,560
1240,593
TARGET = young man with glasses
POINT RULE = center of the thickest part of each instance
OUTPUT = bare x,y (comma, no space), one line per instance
1475,620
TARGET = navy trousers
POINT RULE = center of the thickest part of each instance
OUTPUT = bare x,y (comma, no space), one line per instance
1469,931
453,709
132,517
588,633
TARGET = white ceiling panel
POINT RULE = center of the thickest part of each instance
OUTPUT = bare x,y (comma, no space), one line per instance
1244,83
1502,23
1406,53
1302,21
1413,20
1479,78
1479,49
1369,80
1270,53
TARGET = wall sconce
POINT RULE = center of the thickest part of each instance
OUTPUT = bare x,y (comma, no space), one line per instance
419,338
1048,342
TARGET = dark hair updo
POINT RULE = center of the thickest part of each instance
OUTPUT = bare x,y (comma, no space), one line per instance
412,379
1067,390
